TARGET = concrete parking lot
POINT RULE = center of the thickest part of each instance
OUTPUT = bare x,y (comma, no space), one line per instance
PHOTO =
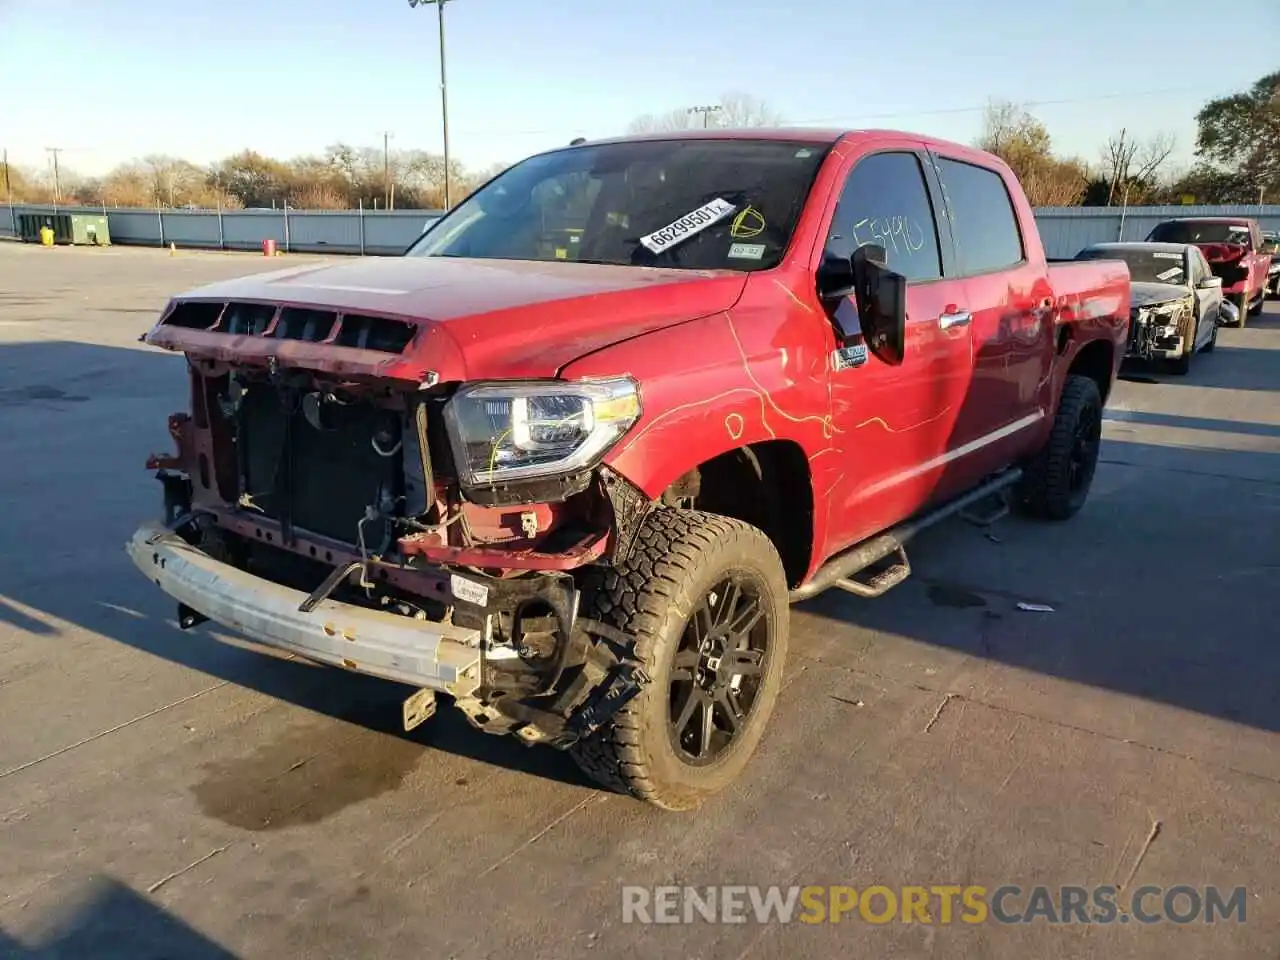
171,794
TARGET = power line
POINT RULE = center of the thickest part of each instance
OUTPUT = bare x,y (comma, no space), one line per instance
943,111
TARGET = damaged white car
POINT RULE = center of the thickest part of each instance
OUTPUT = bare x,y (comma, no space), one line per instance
1176,302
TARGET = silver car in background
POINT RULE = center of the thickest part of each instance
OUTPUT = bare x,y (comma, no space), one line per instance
1176,302
1271,245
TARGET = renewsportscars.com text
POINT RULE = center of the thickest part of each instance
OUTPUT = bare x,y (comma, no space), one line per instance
935,904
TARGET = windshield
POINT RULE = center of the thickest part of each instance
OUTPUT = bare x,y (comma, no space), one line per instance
1145,266
696,204
1200,231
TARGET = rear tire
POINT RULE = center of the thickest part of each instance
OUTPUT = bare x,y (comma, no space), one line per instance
1055,484
690,578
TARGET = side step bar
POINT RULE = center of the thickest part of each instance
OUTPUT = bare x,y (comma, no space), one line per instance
840,569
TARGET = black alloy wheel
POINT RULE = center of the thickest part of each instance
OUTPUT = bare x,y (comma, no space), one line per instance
715,677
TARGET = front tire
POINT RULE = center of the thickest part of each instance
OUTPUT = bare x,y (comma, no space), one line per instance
1182,365
705,598
1256,309
1242,308
1055,484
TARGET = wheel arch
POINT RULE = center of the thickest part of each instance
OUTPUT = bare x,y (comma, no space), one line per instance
767,484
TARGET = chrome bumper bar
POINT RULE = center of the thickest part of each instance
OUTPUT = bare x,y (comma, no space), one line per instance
419,652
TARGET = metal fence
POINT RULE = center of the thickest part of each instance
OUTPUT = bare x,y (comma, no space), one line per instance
1065,230
380,233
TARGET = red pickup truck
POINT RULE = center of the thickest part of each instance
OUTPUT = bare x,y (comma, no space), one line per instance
569,460
1236,251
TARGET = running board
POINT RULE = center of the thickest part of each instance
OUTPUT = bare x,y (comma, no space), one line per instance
879,583
999,510
839,570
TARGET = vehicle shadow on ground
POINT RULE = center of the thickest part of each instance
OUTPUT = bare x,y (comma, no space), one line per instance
110,921
1178,613
1227,368
1179,422
1180,610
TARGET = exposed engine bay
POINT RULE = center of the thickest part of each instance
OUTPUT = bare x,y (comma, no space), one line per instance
1161,330
348,491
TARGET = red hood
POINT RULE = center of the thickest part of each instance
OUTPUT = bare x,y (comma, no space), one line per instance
478,319
1222,252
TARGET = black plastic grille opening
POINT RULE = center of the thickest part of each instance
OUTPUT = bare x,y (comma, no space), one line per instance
193,315
247,318
375,333
298,323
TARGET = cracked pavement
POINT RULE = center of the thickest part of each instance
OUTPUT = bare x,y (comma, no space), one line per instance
164,793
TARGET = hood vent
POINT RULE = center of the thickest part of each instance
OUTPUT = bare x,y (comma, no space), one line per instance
374,333
298,323
247,318
194,315
237,318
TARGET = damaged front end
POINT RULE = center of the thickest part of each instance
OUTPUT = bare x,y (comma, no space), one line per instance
1162,331
328,499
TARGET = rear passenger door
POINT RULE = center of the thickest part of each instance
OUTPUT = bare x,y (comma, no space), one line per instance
1011,303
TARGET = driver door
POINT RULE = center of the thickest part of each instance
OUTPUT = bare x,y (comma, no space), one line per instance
1208,299
895,422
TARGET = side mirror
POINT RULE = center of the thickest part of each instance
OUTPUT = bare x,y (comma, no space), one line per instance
1207,283
880,295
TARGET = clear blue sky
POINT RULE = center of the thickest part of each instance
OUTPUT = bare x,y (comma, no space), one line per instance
114,79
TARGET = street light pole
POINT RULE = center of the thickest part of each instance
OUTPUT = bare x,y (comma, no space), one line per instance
386,169
444,91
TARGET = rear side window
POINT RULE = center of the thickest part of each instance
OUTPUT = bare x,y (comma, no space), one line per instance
984,222
885,202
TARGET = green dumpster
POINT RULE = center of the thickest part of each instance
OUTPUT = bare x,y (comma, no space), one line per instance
80,229
90,229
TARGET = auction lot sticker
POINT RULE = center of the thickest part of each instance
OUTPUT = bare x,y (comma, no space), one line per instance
691,223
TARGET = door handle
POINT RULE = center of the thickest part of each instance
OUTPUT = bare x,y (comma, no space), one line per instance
958,319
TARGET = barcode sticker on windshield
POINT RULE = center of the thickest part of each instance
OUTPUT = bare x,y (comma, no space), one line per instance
691,223
1167,256
1169,274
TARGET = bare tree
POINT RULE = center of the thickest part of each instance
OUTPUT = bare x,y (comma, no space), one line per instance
1023,142
1129,162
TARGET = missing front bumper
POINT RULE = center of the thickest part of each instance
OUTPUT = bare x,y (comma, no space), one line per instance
439,657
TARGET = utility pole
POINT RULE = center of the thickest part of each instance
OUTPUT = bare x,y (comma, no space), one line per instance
1117,163
706,110
386,168
444,91
57,186
8,191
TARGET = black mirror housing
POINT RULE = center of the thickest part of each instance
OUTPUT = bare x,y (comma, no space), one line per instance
881,296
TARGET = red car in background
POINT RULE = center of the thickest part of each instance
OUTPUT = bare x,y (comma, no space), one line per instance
1235,250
